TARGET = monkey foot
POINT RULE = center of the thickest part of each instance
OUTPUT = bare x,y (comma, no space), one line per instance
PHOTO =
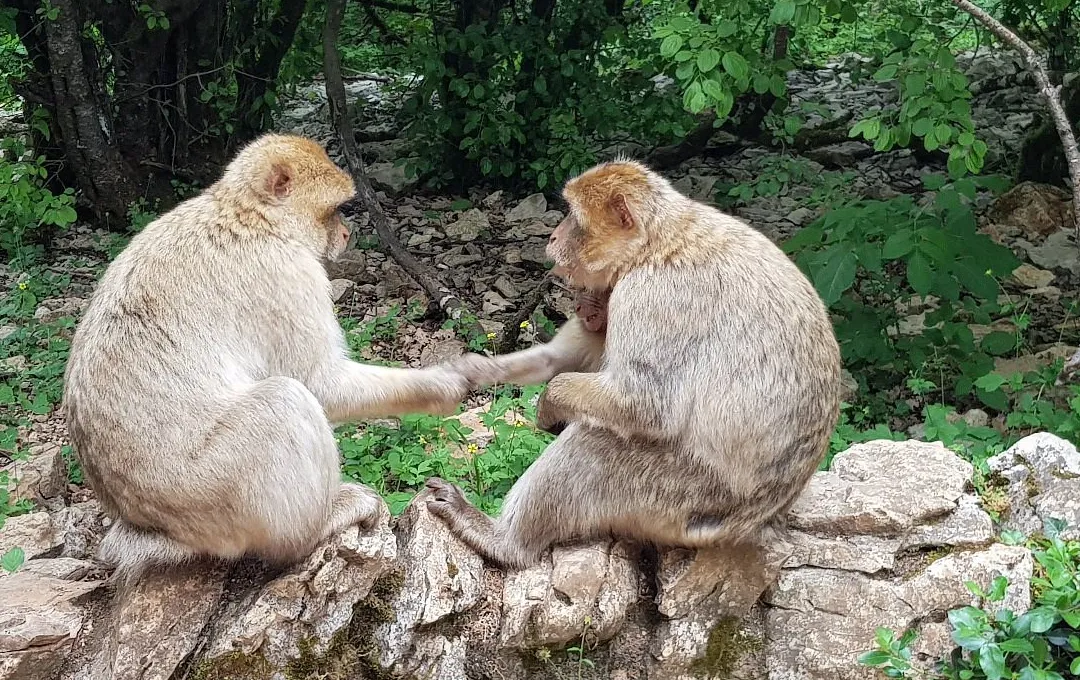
445,498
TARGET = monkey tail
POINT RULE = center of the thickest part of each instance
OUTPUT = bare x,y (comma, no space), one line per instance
132,550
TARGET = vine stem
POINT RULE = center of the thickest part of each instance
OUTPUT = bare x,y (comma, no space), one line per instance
1050,92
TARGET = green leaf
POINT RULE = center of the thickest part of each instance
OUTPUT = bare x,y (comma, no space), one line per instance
777,85
782,12
12,559
726,29
1042,619
897,245
875,658
736,65
694,98
992,662
943,133
999,343
1016,646
991,382
670,46
922,126
1074,667
887,72
713,89
919,274
707,60
836,276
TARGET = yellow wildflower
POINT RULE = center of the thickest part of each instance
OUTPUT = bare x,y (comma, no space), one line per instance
423,440
524,325
23,285
490,336
473,448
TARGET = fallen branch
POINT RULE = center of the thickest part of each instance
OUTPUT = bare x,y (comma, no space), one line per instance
528,306
1050,92
449,303
667,157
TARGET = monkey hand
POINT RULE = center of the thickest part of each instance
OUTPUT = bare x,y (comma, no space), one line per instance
449,389
445,499
550,416
478,369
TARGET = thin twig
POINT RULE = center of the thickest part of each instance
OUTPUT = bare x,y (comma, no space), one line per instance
1050,92
449,303
528,306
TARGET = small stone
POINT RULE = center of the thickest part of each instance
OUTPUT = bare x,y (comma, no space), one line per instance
800,216
7,331
59,308
552,218
419,239
35,533
535,253
1032,277
469,226
389,177
15,364
505,286
494,303
339,287
492,199
531,208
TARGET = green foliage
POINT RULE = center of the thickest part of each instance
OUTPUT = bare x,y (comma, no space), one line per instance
27,205
777,175
868,258
141,213
396,461
716,62
934,105
520,99
994,643
31,373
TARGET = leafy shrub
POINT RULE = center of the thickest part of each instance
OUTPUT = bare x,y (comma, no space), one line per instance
26,203
1040,644
521,100
868,259
397,461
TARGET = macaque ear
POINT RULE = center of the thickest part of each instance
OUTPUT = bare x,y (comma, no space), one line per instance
280,180
622,211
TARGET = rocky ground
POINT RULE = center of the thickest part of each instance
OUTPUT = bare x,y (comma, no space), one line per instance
893,525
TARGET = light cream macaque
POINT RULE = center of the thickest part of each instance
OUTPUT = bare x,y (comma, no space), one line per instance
717,389
208,369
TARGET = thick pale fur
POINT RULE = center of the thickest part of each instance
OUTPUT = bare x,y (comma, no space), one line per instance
209,365
715,398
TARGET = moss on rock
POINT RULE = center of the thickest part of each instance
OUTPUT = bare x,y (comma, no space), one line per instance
233,666
726,647
352,652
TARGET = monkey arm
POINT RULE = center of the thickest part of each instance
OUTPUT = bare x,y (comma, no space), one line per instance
349,390
574,348
596,398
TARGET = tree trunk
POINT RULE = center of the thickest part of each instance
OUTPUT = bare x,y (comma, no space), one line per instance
89,143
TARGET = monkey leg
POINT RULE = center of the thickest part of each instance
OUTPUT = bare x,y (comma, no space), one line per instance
588,483
266,479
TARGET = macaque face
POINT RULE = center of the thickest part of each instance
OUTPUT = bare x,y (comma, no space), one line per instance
337,235
564,248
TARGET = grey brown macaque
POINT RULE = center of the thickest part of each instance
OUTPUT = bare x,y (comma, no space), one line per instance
694,412
209,366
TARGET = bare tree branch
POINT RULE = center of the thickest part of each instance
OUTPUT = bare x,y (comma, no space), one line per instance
335,95
528,306
1050,92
